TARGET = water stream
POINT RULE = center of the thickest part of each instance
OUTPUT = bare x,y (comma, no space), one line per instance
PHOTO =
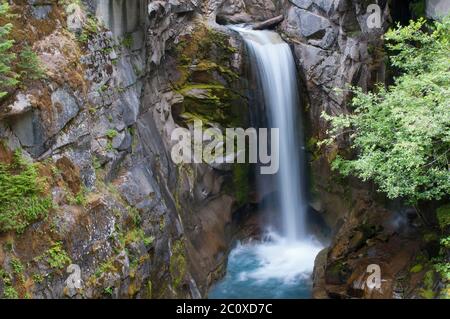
279,266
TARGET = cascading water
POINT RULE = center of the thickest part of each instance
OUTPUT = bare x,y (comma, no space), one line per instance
273,61
281,265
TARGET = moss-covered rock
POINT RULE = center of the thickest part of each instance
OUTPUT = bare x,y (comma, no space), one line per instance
178,264
207,80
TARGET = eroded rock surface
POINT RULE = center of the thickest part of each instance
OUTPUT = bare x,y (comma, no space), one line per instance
136,224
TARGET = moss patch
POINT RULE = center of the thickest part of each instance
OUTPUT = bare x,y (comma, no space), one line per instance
241,182
416,268
428,283
206,77
56,257
177,264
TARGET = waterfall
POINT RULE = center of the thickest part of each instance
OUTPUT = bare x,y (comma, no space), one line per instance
274,65
281,266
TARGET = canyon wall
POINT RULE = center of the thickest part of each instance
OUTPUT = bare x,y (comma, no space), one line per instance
120,76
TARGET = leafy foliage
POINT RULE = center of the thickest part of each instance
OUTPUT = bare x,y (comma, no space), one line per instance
90,28
443,216
401,134
14,68
21,195
7,77
29,64
56,256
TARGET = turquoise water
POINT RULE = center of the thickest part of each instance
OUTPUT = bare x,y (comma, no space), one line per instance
270,270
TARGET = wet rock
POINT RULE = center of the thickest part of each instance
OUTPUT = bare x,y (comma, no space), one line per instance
320,264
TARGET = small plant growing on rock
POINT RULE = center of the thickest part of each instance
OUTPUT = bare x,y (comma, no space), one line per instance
111,133
91,27
29,65
22,198
8,78
56,257
127,41
10,293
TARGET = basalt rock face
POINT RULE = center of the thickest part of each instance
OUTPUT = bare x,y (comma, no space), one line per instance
334,48
120,77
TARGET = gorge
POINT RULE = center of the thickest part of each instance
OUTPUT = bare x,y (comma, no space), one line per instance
262,269
88,131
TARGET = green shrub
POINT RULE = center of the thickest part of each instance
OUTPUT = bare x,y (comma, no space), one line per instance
8,78
10,293
90,28
17,266
56,257
29,65
443,216
401,134
22,201
111,133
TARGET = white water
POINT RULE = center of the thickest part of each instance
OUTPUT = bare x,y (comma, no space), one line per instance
274,268
281,265
282,259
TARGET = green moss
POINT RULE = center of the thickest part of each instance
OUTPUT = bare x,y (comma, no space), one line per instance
9,292
443,216
17,266
56,257
109,291
212,103
106,267
312,148
241,182
178,264
416,268
38,278
338,271
202,56
149,289
135,235
111,134
22,198
430,236
79,199
418,8
90,28
127,41
428,283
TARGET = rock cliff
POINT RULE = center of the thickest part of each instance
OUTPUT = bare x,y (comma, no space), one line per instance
120,76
